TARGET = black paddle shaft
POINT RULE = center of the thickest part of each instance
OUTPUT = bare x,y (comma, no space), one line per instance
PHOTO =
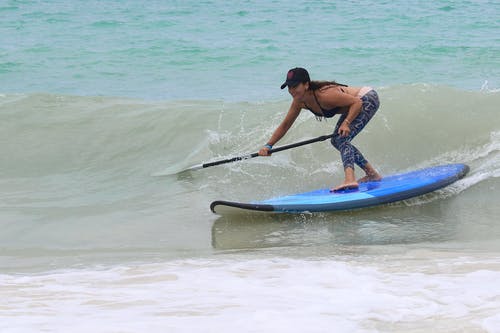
274,150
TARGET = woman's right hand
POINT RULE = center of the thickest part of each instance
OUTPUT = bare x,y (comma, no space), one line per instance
264,151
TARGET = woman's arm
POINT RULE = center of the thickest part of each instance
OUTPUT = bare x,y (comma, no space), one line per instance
293,113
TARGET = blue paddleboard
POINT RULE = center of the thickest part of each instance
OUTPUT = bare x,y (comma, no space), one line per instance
389,189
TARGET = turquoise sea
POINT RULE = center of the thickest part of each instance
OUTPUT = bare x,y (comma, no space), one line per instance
101,100
168,50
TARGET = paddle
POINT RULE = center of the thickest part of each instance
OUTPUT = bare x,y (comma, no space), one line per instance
245,157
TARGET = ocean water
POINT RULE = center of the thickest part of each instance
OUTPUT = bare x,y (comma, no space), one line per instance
102,102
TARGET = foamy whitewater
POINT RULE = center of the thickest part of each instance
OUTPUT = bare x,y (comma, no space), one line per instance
102,104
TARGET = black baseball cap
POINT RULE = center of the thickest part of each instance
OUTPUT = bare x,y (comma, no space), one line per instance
295,76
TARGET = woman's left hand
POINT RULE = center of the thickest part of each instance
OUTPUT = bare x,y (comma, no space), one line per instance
344,130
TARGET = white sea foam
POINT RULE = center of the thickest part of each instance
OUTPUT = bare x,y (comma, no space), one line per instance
264,295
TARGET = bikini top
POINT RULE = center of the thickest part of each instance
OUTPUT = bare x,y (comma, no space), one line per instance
324,112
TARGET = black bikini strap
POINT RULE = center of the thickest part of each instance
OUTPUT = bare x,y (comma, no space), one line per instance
317,102
314,113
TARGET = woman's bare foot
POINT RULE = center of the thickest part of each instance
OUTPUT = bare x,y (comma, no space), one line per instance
349,183
371,175
345,186
370,178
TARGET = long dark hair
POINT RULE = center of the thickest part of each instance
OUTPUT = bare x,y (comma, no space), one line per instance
315,85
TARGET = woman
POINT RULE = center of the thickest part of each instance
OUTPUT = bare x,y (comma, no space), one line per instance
355,105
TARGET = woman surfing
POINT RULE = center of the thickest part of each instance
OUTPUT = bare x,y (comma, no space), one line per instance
325,99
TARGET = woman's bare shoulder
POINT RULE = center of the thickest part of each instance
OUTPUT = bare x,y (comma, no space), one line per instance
297,106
